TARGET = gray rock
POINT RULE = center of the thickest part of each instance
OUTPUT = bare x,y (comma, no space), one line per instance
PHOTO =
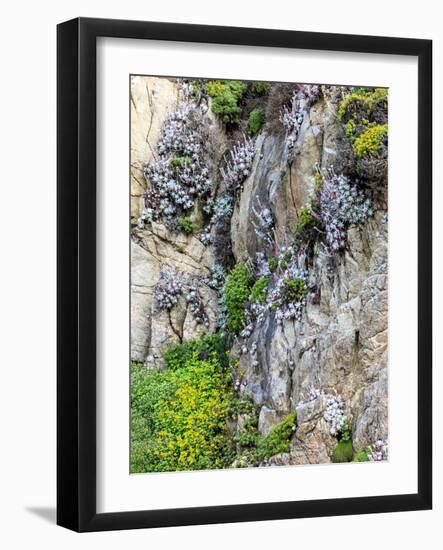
341,342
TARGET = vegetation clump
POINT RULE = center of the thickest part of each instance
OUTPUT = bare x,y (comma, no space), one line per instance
368,142
272,264
186,225
255,121
364,115
177,356
226,97
176,163
235,295
343,452
278,440
341,204
261,88
362,100
296,289
288,295
168,289
179,416
179,176
259,290
361,456
305,221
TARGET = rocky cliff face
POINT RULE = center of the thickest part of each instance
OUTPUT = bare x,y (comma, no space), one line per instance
338,346
155,247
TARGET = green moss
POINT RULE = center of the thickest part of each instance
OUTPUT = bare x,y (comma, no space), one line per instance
361,456
343,452
255,121
235,294
226,95
362,99
295,289
278,439
179,416
186,225
259,290
368,142
261,88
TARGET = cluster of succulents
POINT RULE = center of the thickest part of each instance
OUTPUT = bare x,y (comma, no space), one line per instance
288,296
334,414
341,204
217,277
187,89
292,117
237,168
238,165
168,289
311,396
379,451
263,223
176,136
261,265
179,177
195,306
205,236
223,208
246,333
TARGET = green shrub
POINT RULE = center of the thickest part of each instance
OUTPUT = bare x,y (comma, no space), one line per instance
235,294
368,142
272,264
362,99
176,163
278,439
295,289
261,88
205,347
259,290
186,225
179,416
305,221
285,259
343,451
255,121
247,437
361,456
226,95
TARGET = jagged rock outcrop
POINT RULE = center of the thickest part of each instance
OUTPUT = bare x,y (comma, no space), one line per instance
341,342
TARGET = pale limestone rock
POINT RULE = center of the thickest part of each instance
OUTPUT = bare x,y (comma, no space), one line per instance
151,100
145,271
312,442
268,418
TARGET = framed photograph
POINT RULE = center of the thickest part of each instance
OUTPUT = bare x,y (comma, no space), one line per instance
244,274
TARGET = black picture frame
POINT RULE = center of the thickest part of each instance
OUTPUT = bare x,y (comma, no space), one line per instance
76,274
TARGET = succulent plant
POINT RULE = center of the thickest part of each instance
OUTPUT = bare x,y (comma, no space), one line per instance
168,289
